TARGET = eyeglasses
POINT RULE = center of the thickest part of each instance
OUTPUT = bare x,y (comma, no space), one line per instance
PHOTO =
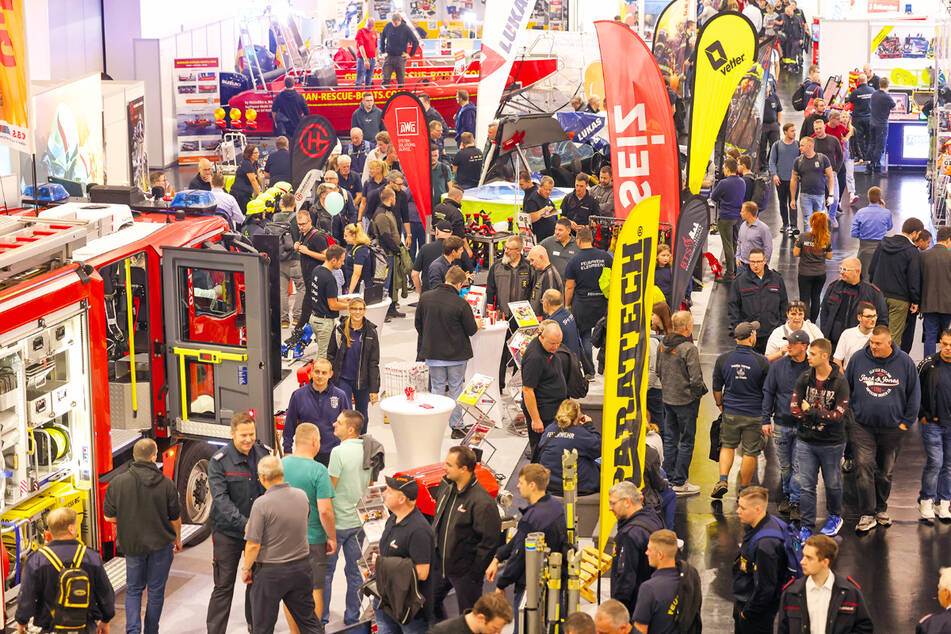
513,249
843,269
872,316
757,261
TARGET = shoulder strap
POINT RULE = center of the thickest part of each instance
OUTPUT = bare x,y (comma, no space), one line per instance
80,553
53,559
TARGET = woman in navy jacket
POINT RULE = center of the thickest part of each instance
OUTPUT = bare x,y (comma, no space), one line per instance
570,431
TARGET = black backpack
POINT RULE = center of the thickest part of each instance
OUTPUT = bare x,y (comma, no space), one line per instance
761,187
280,226
70,610
575,381
686,604
799,99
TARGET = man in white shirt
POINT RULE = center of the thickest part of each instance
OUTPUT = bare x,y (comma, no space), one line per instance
854,339
776,346
804,606
227,204
755,14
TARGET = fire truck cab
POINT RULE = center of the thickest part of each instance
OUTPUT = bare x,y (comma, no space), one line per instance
113,328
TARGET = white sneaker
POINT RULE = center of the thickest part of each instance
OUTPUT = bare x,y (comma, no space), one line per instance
686,489
926,510
944,510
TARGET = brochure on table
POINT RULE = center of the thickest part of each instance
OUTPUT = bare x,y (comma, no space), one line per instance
197,95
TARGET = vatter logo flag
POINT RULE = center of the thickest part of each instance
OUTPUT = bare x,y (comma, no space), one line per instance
505,21
726,49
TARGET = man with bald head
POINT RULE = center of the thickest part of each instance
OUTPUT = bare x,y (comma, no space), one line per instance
543,381
202,179
546,276
873,79
861,100
840,303
359,148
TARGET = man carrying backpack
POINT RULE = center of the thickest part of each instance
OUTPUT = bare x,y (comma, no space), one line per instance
65,573
760,570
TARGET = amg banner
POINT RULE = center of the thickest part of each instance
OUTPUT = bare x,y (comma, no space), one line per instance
625,365
404,119
690,239
640,125
313,142
726,47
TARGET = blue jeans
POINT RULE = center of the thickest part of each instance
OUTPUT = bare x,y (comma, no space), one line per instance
935,324
811,458
877,144
453,376
785,439
668,500
680,430
348,541
146,571
811,203
386,625
361,398
365,73
418,233
936,476
655,406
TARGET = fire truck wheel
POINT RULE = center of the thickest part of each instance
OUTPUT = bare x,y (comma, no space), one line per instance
193,490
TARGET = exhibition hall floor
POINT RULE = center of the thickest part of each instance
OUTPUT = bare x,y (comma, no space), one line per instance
896,567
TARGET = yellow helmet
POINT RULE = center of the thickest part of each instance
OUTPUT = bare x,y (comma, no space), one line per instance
256,206
283,186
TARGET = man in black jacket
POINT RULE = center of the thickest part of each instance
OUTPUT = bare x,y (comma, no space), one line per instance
896,270
445,322
143,503
758,294
635,523
847,612
544,514
760,567
39,588
396,36
545,277
581,205
287,109
450,210
510,280
840,303
861,100
468,530
234,485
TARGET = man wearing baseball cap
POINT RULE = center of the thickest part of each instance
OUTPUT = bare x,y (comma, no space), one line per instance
407,535
738,379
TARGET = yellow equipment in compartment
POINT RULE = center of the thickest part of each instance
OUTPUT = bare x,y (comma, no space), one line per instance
61,494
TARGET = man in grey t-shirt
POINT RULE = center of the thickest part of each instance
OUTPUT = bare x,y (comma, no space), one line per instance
276,553
561,246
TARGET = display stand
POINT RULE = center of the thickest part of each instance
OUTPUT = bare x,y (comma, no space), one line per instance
487,346
373,514
476,402
488,244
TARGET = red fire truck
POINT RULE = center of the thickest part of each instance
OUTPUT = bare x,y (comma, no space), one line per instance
112,329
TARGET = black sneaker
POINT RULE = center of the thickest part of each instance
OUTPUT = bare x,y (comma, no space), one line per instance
783,507
394,313
794,514
848,465
295,338
458,433
720,489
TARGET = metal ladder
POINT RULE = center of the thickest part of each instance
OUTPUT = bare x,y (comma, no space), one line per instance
35,244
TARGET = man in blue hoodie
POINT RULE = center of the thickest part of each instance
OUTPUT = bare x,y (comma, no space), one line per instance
729,194
886,395
738,379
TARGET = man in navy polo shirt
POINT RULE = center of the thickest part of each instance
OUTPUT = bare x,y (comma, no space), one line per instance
318,403
738,380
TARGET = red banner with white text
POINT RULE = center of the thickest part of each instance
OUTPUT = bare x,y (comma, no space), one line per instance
644,160
405,121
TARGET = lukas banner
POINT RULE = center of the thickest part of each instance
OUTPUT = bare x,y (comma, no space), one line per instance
644,160
690,239
314,140
726,48
671,38
505,22
404,119
625,365
15,130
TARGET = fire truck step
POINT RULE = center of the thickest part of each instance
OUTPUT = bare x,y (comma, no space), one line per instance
115,567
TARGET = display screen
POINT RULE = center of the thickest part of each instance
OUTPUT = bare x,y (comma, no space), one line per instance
915,142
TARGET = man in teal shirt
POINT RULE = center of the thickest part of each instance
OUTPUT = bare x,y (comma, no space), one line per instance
350,482
302,471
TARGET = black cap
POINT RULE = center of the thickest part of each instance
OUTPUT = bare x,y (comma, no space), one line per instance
443,225
404,484
797,336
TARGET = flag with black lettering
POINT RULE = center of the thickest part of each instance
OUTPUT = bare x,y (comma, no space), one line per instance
625,361
726,47
690,239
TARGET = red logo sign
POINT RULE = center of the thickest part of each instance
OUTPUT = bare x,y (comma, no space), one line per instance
406,120
315,141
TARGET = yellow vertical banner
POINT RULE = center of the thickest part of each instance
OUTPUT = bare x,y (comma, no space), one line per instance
14,80
625,366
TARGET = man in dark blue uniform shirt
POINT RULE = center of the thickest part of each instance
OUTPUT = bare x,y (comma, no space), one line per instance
319,403
881,107
939,622
278,166
861,99
287,109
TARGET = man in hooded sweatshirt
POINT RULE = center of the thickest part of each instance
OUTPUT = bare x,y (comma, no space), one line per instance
883,382
143,503
896,270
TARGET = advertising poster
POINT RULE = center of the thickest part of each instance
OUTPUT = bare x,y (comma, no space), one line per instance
14,79
138,169
625,365
405,120
744,126
644,160
671,38
196,97
69,131
726,48
689,242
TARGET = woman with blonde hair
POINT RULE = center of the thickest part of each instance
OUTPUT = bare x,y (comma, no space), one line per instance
354,352
357,264
377,169
571,430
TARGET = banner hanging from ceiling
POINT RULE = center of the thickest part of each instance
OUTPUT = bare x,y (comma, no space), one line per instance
644,162
405,120
311,146
744,129
15,130
726,48
625,365
505,21
671,38
690,240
